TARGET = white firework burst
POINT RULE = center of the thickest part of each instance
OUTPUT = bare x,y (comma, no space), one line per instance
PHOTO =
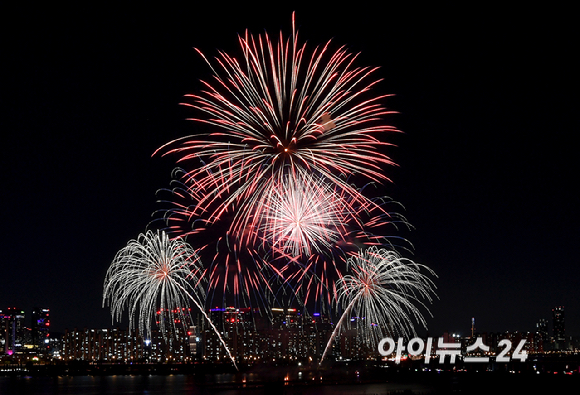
154,273
303,215
383,288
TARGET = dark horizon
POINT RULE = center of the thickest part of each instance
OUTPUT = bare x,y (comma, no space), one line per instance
485,163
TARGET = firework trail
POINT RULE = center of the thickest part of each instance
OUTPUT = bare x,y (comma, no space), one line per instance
155,273
280,111
382,289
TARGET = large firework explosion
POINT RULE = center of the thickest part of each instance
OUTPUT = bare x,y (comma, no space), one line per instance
278,112
382,289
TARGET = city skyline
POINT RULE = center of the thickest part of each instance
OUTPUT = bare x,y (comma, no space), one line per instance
288,335
485,162
38,324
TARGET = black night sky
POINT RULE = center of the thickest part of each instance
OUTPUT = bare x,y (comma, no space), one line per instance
488,173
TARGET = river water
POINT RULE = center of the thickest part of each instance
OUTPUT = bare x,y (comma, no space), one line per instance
253,384
184,384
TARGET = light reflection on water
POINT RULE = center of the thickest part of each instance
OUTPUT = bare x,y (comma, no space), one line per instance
216,384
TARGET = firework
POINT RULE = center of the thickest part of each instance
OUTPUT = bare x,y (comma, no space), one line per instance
151,274
382,289
299,237
312,228
281,111
302,216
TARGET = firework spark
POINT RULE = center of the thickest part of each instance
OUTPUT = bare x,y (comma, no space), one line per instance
302,216
281,111
154,273
382,288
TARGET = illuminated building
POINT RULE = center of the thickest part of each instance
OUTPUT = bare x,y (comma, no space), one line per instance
12,330
251,338
542,338
317,331
559,329
194,339
285,318
286,335
40,329
111,345
174,344
238,329
4,332
352,344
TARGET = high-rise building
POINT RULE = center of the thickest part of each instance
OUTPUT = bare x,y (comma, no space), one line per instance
318,332
12,330
542,339
237,329
559,329
542,328
4,331
173,344
110,345
286,335
40,329
194,340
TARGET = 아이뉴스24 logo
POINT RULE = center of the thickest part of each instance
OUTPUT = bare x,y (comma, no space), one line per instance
417,346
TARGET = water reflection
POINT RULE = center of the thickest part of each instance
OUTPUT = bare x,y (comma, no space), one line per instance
211,384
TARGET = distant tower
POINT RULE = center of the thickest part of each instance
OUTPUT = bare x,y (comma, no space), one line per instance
542,329
559,328
472,326
40,328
